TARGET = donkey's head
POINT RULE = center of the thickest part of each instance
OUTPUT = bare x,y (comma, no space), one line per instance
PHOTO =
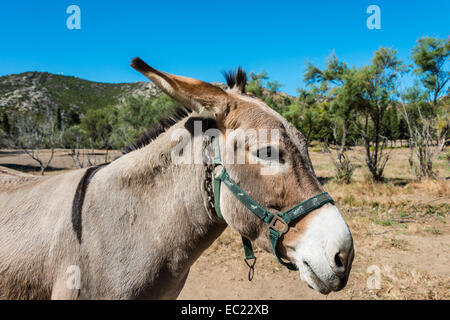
268,159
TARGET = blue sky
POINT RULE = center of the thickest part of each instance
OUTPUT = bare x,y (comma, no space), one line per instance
201,38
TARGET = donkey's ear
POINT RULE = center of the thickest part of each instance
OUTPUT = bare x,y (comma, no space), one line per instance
196,95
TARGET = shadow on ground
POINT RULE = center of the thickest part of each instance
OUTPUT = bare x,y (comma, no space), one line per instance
324,180
4,153
28,168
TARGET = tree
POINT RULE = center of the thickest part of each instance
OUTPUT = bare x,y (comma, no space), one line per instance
4,124
302,114
135,115
59,120
74,139
274,86
337,81
425,124
36,132
403,129
378,83
430,56
256,83
426,115
3,138
391,124
98,125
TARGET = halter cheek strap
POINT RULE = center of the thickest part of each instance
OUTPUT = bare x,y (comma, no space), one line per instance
268,217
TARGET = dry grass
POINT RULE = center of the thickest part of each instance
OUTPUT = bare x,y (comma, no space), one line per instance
401,282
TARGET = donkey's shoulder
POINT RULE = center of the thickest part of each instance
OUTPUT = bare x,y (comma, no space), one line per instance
12,179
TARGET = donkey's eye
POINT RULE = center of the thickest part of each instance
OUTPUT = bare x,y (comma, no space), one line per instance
264,153
269,153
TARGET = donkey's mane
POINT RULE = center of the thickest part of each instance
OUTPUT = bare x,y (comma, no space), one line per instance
235,79
156,129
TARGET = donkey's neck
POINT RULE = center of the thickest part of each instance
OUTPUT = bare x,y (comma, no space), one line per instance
178,189
166,207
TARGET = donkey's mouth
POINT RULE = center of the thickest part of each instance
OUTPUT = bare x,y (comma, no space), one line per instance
327,284
308,275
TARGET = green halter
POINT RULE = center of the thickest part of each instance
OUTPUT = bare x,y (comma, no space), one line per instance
270,218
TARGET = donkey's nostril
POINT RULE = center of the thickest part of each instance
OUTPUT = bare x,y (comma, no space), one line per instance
338,260
338,263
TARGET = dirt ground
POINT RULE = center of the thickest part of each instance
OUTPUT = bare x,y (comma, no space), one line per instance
401,230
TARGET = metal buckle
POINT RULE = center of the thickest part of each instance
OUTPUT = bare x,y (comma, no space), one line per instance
218,172
274,220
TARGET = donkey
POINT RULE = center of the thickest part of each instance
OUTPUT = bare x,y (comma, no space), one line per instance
133,228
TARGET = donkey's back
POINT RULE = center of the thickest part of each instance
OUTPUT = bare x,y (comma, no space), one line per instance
35,232
12,180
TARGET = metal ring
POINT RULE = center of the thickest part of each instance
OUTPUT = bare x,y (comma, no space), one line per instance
251,270
274,220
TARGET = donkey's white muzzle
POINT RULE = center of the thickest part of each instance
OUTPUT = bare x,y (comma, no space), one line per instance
324,254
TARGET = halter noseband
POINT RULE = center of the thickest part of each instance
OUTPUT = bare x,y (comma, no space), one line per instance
270,218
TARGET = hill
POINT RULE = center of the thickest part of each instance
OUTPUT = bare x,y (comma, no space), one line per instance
38,90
